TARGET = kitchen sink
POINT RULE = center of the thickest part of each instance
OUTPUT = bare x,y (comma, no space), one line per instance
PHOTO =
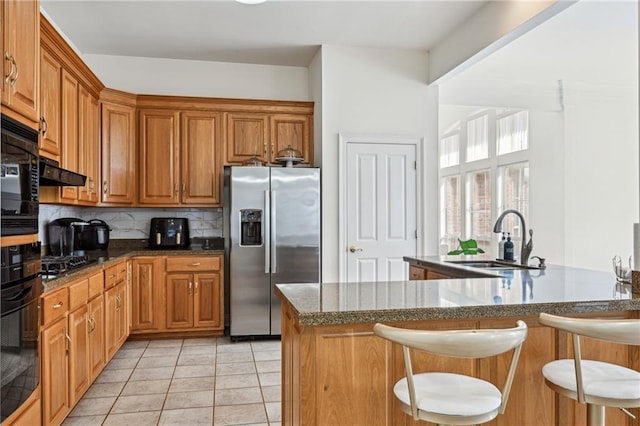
490,264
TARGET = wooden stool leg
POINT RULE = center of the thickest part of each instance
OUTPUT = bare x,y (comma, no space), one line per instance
595,415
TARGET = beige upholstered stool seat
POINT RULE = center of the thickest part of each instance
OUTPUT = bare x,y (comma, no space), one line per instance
601,381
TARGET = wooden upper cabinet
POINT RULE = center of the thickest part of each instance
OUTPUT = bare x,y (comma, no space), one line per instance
88,146
118,154
246,135
69,154
265,134
200,162
159,157
21,59
50,103
291,129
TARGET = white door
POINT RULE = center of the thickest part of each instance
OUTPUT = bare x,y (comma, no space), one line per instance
381,210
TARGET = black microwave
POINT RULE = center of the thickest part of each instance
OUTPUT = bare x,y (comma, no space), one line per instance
19,179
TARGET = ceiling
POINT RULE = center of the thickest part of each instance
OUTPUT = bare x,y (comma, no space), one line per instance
278,32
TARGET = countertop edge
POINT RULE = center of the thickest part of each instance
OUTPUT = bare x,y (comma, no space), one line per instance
115,257
470,312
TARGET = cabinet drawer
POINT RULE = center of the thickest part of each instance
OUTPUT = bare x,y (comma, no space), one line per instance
78,293
110,276
96,285
193,263
115,274
54,305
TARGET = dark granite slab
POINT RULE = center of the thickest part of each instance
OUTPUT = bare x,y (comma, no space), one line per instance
509,293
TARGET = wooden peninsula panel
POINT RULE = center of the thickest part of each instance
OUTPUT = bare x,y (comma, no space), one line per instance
344,375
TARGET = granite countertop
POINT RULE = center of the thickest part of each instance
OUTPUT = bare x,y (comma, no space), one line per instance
111,257
518,293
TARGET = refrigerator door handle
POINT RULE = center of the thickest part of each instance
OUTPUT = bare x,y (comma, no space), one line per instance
265,231
273,243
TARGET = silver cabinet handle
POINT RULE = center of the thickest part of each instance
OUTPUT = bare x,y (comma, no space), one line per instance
196,286
175,189
195,264
112,276
190,285
57,305
104,187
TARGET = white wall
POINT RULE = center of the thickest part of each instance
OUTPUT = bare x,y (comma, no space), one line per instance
200,78
601,163
368,92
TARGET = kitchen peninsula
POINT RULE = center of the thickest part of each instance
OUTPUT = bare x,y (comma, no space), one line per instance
335,371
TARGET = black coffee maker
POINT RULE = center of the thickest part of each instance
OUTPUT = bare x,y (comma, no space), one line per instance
67,236
169,233
70,236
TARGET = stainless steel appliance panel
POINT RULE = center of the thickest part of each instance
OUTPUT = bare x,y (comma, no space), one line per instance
295,231
249,262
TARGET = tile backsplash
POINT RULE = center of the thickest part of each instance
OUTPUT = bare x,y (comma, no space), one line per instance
134,223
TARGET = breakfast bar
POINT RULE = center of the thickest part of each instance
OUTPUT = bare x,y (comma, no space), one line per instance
335,371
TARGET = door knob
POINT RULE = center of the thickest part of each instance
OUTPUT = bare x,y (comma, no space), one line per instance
354,249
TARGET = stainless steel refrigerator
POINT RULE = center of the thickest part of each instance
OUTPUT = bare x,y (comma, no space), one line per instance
272,236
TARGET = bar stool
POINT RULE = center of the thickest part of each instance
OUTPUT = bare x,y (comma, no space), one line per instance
598,384
448,398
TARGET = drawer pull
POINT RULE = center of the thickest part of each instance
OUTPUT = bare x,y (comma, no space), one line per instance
112,276
57,305
195,264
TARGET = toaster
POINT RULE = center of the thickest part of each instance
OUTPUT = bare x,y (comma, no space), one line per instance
169,233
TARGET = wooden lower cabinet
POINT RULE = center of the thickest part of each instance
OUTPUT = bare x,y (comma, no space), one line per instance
97,359
147,295
55,373
344,375
194,293
115,319
79,378
193,301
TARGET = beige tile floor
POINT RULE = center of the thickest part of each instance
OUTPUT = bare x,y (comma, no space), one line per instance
185,382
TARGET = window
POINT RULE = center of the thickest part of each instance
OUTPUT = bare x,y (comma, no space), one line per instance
492,176
479,204
478,138
450,150
451,214
513,133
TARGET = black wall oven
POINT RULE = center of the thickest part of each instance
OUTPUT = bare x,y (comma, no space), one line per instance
21,286
19,179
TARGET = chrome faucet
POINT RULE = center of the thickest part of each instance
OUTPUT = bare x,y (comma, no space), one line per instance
526,248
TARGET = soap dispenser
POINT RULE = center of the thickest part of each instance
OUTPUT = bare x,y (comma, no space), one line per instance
501,248
508,249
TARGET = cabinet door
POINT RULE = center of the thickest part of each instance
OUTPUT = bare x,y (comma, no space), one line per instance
79,379
122,325
55,373
207,301
147,294
21,32
118,154
246,135
200,144
50,90
110,323
291,129
159,162
87,145
96,337
179,301
69,119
